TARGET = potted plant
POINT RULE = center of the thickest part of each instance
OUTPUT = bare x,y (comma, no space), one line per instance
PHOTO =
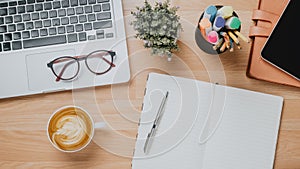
158,26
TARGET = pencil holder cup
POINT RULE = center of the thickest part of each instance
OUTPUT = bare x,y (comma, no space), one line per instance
212,27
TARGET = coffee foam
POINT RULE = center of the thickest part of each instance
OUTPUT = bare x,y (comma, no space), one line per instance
70,129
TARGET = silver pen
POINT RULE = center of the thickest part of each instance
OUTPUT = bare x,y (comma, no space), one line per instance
155,123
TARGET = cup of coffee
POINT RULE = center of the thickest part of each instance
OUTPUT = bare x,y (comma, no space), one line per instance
71,128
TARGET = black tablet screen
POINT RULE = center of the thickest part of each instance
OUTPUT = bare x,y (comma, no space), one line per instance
282,49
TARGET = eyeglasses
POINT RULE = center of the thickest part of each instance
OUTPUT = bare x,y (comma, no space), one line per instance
67,67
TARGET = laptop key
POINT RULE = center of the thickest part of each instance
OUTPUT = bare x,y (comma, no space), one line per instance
38,7
38,24
65,21
8,37
53,14
3,12
26,34
21,9
106,7
17,18
72,38
56,5
30,8
47,6
16,45
100,36
43,32
6,46
47,23
88,26
16,35
52,31
20,26
79,28
61,30
30,1
74,3
82,19
35,16
44,15
1,38
26,17
82,36
34,33
1,21
39,42
70,29
12,10
29,25
104,16
62,12
3,29
88,9
8,19
22,2
56,22
102,24
91,17
70,11
83,2
11,28
97,8
79,10
109,35
65,3
92,1
91,37
5,4
73,19
101,1
13,3
98,32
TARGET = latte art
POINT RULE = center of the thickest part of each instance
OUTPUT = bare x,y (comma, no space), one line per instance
70,129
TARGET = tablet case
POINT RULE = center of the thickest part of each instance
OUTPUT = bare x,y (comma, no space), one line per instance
265,18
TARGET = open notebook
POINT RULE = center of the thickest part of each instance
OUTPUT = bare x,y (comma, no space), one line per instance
207,126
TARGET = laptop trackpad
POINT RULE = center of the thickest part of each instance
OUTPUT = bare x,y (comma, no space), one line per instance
40,77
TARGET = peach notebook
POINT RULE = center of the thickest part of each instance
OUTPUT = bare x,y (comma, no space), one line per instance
265,18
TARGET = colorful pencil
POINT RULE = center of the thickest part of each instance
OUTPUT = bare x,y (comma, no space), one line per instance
218,45
233,37
231,45
223,47
242,36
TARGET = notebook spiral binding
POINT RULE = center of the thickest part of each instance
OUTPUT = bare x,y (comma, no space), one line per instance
142,109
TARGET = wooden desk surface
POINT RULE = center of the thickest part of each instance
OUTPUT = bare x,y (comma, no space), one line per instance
23,138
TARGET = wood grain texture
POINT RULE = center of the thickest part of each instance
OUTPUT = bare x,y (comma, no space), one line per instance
23,121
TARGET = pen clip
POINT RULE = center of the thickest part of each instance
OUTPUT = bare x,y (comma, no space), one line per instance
155,123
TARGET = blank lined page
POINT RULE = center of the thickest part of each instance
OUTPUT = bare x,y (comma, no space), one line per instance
249,124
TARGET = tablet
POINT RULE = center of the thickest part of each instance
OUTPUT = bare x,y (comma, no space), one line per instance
282,49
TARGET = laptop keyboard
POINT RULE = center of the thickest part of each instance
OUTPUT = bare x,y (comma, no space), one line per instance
34,23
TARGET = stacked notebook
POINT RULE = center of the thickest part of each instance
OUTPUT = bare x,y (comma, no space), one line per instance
207,126
266,17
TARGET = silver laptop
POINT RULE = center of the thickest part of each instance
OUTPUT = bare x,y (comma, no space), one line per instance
55,45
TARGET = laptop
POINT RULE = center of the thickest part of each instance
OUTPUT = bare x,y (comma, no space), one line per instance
35,32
